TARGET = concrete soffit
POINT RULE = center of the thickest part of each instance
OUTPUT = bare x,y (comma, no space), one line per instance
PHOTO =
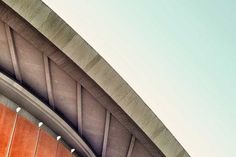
25,99
48,23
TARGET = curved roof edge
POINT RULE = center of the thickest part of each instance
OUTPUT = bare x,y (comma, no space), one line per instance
47,22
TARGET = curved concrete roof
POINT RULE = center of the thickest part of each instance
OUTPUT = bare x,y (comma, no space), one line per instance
47,22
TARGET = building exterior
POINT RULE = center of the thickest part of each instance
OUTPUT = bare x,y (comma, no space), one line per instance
59,80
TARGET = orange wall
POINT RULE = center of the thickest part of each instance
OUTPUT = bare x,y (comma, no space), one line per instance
21,138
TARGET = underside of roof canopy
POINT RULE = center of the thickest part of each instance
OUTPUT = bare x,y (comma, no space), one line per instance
51,72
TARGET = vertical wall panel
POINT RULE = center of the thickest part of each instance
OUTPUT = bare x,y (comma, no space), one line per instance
94,115
5,58
47,145
24,139
31,66
7,119
21,138
118,139
62,151
64,92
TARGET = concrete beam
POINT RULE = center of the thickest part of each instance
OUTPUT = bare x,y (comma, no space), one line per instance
106,132
79,109
131,146
48,81
13,54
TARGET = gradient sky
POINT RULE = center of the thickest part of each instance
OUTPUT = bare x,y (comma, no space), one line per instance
178,55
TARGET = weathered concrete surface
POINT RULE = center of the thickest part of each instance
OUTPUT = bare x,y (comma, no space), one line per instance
66,39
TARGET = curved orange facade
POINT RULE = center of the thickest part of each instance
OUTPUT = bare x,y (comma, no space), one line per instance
21,138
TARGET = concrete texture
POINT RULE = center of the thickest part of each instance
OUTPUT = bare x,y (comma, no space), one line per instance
72,45
65,82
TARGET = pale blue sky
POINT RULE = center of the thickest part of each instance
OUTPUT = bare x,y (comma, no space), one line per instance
179,56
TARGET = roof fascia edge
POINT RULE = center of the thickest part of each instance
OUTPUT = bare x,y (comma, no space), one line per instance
48,23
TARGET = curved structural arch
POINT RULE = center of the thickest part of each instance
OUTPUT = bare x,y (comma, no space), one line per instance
74,77
18,94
